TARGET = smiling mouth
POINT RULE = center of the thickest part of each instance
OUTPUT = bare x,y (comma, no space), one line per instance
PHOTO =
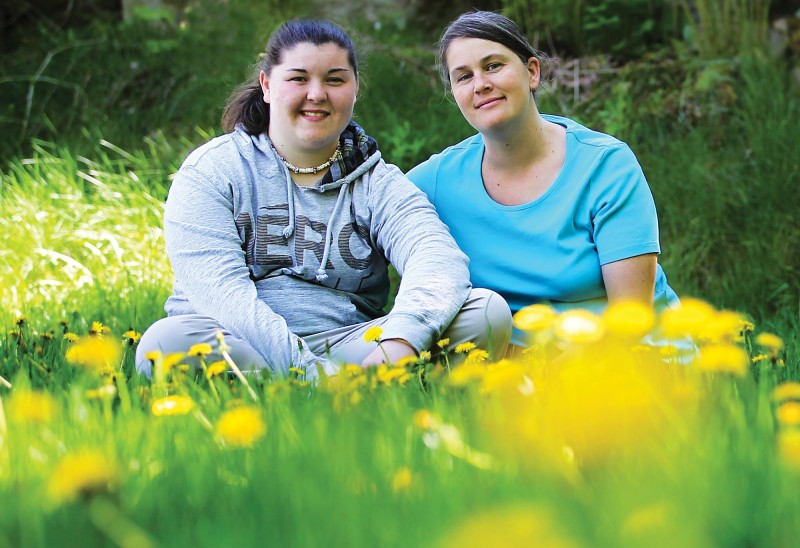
313,113
488,102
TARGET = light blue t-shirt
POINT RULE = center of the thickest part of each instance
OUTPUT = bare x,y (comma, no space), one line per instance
550,250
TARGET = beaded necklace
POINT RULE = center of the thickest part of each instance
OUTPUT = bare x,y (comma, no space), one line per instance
312,170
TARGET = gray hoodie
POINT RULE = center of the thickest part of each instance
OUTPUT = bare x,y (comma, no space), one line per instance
273,261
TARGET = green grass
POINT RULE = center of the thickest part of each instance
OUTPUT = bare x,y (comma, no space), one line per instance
81,199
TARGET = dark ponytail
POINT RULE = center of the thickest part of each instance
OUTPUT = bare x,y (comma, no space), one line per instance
246,104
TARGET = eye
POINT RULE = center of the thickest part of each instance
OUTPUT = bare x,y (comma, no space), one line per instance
463,77
297,79
493,66
336,80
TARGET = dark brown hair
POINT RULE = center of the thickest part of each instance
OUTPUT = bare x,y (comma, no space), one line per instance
245,105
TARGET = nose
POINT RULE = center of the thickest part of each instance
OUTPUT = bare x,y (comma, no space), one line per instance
316,92
481,83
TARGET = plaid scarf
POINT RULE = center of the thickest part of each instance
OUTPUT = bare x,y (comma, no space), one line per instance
356,147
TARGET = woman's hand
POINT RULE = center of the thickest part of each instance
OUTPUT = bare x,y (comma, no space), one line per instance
392,350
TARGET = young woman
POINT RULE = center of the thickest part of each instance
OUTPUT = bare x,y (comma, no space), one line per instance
279,231
567,210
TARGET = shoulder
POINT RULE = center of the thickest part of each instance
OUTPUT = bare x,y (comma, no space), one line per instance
452,159
225,151
453,154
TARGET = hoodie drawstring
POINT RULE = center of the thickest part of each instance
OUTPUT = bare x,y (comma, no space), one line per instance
289,229
326,250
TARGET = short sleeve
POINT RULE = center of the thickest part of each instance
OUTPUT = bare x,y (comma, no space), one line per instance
624,216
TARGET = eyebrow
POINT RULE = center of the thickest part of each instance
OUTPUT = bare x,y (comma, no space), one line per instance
481,60
331,71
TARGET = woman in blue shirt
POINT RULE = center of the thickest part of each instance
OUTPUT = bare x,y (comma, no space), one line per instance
546,209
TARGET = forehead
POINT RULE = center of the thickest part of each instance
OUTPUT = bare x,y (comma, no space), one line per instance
308,55
467,51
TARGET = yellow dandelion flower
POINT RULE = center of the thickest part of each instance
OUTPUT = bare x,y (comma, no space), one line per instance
760,358
406,361
386,375
689,319
297,371
172,405
466,373
71,337
425,420
724,325
747,326
402,480
535,317
478,355
668,351
241,427
96,353
31,407
21,320
216,368
353,369
170,360
131,336
464,348
578,327
200,349
723,358
83,474
629,319
443,343
425,356
373,334
770,341
788,414
98,328
506,376
153,355
788,445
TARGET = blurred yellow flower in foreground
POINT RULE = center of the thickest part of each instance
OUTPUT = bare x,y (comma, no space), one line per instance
99,354
84,474
788,445
690,319
770,341
629,319
788,414
172,405
241,427
402,480
578,327
373,334
786,391
524,525
723,358
31,407
535,317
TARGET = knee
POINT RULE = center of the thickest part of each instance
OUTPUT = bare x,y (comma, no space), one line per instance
156,338
491,318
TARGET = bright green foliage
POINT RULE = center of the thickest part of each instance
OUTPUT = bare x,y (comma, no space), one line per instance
584,441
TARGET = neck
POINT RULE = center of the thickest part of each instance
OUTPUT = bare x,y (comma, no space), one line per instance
521,144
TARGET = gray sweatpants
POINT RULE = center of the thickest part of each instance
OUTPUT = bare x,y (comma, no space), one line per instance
485,320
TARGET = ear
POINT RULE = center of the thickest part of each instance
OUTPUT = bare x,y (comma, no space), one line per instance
534,70
263,79
356,98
